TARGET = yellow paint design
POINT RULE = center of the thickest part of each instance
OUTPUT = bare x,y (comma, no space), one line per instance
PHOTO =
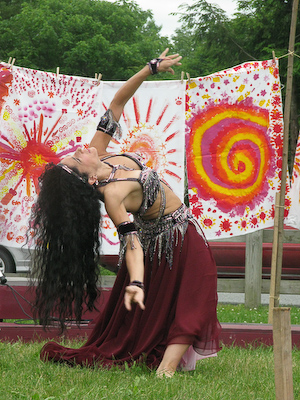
6,116
7,170
248,170
11,183
199,132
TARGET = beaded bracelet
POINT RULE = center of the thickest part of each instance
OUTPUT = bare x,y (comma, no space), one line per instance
138,284
154,64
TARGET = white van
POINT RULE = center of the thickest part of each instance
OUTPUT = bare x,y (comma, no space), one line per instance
14,259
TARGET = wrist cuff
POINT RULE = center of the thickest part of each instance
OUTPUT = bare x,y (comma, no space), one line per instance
154,64
138,284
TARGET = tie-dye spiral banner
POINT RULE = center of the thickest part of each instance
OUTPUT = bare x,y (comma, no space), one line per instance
234,134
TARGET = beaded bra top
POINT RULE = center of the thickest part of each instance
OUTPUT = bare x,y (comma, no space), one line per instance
148,179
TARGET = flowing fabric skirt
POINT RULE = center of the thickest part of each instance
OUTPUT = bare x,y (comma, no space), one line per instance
180,308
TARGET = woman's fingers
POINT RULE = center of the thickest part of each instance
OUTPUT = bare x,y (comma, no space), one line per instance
134,294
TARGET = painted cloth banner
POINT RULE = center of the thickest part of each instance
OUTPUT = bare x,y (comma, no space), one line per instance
153,125
43,117
293,218
234,134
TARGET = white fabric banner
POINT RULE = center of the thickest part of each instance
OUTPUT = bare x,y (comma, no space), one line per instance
234,136
43,117
153,125
293,218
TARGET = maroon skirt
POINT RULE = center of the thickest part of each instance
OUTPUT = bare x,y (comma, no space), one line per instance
180,307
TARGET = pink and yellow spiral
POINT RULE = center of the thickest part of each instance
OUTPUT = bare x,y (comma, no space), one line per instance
230,158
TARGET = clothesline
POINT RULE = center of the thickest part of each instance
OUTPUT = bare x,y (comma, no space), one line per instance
99,77
288,54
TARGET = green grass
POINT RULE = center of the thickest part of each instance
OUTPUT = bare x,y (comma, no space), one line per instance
241,314
235,374
238,314
105,271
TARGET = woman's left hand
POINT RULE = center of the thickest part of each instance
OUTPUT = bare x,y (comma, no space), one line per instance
168,61
134,294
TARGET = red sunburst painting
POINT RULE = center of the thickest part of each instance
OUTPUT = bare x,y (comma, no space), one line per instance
43,117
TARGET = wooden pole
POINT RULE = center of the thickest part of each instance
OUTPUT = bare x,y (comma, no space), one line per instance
287,111
282,339
273,262
253,269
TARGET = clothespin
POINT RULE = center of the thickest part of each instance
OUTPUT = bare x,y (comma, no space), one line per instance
188,77
57,72
11,62
99,79
182,76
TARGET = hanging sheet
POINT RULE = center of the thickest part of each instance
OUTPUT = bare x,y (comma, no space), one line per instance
234,134
43,117
152,125
293,217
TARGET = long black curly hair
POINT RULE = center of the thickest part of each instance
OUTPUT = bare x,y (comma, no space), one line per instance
64,224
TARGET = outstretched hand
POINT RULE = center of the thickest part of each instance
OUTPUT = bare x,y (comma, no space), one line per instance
134,294
168,61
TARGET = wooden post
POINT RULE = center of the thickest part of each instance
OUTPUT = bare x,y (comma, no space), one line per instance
274,297
287,110
253,269
282,339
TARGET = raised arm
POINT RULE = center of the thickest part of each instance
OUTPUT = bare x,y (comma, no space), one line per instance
165,64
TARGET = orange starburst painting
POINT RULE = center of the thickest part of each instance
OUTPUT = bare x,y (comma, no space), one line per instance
153,126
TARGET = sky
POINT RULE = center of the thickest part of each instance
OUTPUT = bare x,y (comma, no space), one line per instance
162,8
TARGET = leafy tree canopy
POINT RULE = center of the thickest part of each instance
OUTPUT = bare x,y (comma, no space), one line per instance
82,37
256,29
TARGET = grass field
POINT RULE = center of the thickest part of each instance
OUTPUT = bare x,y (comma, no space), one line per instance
235,374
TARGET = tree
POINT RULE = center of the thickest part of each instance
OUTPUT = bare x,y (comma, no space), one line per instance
207,39
271,20
9,8
258,28
82,37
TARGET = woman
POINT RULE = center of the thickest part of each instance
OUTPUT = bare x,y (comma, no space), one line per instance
164,298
